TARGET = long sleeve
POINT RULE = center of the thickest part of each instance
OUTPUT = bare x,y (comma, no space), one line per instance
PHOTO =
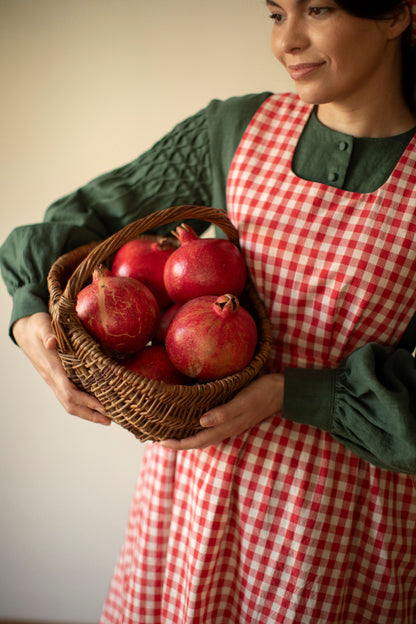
368,404
174,171
187,166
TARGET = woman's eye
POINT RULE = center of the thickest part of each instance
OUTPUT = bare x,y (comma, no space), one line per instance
276,17
318,11
314,11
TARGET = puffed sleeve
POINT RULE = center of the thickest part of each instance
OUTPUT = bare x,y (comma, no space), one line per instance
175,171
368,404
189,165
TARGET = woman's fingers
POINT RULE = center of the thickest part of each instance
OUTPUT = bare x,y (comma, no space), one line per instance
76,402
259,400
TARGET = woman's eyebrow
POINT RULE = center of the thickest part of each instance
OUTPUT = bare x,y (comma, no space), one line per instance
274,4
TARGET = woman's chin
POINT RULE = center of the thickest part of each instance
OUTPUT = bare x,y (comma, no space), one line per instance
314,92
311,96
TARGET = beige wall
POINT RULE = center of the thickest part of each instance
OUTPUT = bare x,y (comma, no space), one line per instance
86,85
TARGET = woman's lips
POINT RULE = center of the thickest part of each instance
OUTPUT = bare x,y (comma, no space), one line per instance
301,70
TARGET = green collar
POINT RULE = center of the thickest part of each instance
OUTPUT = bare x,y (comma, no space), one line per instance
354,164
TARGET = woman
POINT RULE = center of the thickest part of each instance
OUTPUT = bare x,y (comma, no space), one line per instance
296,503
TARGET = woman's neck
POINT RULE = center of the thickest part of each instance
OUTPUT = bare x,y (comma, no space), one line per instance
377,110
382,119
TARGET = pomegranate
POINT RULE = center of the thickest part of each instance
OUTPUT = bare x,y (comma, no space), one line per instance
153,362
144,259
165,321
203,266
211,337
120,312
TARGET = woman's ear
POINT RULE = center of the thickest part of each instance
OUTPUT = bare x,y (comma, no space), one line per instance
398,24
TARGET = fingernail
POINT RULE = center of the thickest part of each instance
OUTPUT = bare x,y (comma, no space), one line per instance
50,341
207,420
103,420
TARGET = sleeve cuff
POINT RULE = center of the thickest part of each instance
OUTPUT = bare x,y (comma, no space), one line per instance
27,300
309,396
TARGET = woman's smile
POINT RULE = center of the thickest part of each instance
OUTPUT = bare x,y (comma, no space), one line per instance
300,71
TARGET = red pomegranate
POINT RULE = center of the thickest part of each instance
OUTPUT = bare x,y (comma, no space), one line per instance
211,337
120,312
145,259
153,362
203,266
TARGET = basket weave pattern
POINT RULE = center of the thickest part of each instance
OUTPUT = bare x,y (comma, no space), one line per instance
151,410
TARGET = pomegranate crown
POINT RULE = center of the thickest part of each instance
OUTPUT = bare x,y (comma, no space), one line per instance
185,234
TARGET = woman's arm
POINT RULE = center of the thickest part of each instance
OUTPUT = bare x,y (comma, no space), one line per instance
175,171
189,165
368,404
165,175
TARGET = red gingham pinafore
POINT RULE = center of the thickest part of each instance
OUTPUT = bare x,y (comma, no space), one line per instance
283,524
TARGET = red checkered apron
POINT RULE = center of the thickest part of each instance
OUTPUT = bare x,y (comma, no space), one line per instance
283,524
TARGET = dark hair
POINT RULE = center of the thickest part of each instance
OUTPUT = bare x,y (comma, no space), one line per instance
386,9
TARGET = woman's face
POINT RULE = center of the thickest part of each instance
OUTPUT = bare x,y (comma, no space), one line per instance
331,55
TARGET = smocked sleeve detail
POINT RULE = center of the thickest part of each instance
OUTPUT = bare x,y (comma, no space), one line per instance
175,171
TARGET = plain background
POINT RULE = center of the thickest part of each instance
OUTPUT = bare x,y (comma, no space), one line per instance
86,86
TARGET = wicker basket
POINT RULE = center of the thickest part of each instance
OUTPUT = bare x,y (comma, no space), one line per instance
151,410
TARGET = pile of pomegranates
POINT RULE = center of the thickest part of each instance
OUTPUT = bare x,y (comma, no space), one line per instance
169,309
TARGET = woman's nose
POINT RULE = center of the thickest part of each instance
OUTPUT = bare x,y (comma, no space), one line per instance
293,36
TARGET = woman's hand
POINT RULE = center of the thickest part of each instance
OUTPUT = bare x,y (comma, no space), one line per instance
35,337
259,400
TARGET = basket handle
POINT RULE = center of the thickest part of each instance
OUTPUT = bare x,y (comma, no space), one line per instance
110,245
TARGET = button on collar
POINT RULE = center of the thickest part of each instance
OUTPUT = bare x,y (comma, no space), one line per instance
323,155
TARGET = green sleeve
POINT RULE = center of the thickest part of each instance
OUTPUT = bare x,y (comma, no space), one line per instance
368,404
187,166
176,170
